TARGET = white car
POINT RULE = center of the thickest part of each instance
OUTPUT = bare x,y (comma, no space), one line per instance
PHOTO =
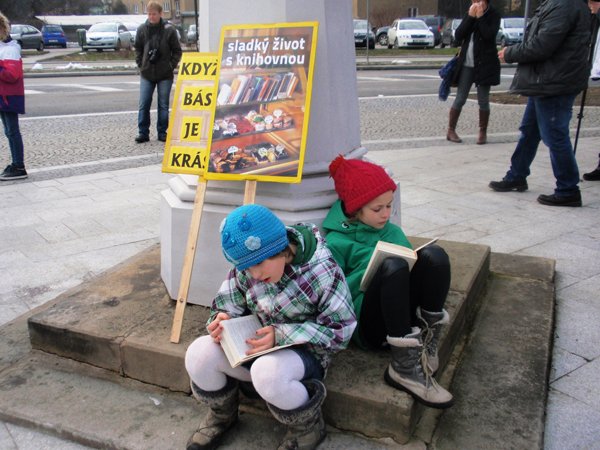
132,28
107,35
410,33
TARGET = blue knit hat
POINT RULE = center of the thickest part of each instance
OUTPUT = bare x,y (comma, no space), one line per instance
250,234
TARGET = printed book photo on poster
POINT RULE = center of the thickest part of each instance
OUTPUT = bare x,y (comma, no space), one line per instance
263,102
234,335
385,250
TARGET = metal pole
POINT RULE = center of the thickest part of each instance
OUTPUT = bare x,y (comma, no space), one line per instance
584,93
368,32
196,22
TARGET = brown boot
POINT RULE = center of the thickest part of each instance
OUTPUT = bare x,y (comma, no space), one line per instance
221,416
484,118
452,121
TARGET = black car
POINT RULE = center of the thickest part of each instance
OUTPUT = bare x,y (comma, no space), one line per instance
361,31
435,25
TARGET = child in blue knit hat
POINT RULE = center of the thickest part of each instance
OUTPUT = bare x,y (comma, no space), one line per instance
288,278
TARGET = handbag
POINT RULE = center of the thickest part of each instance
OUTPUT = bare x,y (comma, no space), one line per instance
447,74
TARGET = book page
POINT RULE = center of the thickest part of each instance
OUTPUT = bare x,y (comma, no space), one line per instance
235,333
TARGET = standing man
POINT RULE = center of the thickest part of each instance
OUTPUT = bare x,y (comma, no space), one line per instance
553,68
12,100
594,5
157,52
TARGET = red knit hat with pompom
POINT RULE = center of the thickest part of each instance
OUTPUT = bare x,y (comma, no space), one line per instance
358,182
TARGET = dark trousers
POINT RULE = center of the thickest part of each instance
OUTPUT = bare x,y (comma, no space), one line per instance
390,303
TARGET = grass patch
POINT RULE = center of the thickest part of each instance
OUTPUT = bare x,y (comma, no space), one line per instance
407,52
592,98
93,55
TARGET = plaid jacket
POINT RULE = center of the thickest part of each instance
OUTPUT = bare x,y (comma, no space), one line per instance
311,303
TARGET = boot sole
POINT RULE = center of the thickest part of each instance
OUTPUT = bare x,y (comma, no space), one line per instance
389,380
516,188
214,443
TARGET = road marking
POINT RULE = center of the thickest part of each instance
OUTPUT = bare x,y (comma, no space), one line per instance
402,78
91,88
32,92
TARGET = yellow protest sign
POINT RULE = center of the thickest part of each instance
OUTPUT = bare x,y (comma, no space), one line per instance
190,121
260,122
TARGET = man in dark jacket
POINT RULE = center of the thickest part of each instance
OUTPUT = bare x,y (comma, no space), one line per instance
553,68
157,52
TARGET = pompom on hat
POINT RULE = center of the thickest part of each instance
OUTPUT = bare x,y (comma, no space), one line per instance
250,234
358,182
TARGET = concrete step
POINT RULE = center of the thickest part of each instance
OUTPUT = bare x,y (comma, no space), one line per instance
100,409
500,380
121,321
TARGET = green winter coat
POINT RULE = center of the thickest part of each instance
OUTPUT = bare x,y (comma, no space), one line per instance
352,243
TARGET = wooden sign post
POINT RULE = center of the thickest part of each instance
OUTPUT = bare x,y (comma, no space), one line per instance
188,261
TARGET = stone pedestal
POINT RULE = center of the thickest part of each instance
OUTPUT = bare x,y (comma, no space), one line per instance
334,129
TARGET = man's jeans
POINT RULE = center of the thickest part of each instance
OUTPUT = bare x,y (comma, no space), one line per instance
547,119
146,91
10,120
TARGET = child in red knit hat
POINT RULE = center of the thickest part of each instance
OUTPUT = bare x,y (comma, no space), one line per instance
400,307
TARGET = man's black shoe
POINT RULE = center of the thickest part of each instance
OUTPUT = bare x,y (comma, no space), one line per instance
162,138
506,185
553,200
141,139
592,176
13,172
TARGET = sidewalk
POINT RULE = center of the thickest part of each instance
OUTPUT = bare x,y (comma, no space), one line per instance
57,233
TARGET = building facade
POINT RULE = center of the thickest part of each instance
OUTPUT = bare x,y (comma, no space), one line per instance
182,13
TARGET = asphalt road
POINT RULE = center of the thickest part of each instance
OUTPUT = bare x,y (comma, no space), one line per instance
88,124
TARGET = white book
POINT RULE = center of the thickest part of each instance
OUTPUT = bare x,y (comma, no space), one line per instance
234,335
385,250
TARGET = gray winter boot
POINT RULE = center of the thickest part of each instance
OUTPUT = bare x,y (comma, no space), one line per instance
222,415
433,323
306,428
408,371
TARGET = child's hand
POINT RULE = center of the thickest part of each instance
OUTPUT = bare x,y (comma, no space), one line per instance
214,328
264,341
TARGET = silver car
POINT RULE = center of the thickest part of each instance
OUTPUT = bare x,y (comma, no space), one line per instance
27,36
108,35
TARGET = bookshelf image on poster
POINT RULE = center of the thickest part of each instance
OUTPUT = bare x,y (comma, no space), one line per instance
261,115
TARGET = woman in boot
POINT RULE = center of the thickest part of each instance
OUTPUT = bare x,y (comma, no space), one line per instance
400,308
478,64
288,278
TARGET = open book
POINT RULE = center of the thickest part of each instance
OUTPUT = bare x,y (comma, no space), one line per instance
234,335
385,250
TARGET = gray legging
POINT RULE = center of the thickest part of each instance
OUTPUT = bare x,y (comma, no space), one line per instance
465,81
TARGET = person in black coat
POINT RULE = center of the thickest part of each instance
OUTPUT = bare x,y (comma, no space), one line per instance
478,64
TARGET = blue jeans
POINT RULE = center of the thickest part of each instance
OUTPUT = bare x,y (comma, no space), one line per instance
547,119
147,87
10,120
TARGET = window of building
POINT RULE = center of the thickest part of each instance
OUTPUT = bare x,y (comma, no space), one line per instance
167,6
136,10
177,9
413,12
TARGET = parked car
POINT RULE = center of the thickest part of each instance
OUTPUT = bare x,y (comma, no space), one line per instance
192,35
410,33
435,24
54,35
132,28
381,35
107,35
27,36
448,33
511,31
361,31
